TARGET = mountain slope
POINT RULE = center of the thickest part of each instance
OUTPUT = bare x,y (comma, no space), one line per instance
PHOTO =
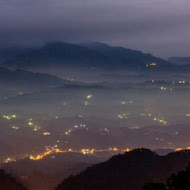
128,171
86,55
180,60
11,52
21,77
124,55
15,83
46,173
57,53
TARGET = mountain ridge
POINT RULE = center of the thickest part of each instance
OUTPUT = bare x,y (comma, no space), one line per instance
84,55
128,171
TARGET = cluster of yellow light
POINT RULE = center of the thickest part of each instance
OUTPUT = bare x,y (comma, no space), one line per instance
46,153
15,127
46,133
124,115
188,115
126,102
74,128
164,88
127,150
10,160
36,128
178,149
55,150
181,149
68,132
146,115
115,149
70,150
87,151
153,64
9,117
83,151
30,123
107,130
89,96
160,120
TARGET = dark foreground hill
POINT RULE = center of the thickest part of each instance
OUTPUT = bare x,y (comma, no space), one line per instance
9,183
178,181
129,171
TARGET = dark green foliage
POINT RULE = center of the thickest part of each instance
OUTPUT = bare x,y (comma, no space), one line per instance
154,186
129,171
7,182
180,181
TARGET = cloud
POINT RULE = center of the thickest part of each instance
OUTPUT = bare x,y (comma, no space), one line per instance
158,26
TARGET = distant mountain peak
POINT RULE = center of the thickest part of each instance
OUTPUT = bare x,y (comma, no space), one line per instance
95,44
84,55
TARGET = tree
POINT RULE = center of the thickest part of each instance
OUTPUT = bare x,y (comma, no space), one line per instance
7,182
154,186
180,181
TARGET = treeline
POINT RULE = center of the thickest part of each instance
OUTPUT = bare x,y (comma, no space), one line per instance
131,171
7,182
179,181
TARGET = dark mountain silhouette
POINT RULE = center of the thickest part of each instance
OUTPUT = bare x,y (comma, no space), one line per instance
125,56
163,152
7,182
57,53
88,55
16,83
21,77
11,52
46,173
179,60
128,171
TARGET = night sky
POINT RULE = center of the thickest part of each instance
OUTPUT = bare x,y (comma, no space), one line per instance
160,27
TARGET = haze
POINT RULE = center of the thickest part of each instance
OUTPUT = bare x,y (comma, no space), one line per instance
160,27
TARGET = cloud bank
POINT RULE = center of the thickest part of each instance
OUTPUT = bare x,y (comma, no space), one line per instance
160,27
